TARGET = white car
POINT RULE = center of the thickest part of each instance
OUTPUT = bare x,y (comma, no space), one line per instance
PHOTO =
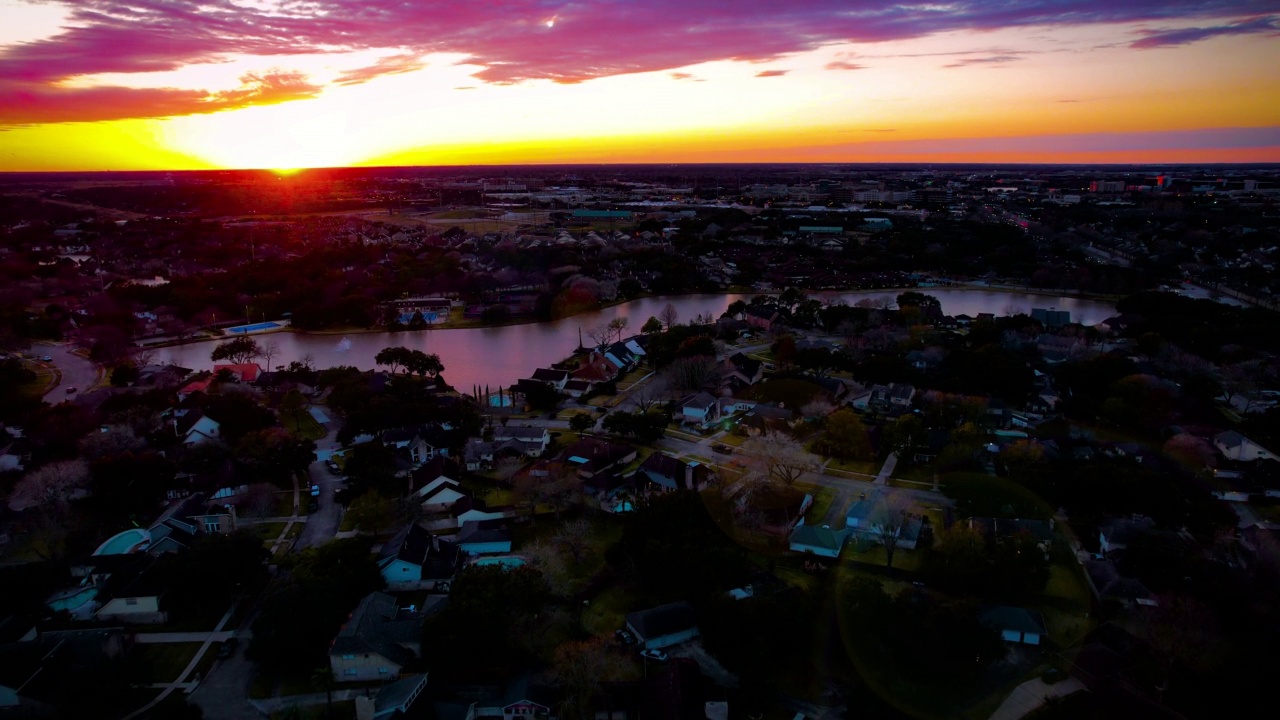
654,655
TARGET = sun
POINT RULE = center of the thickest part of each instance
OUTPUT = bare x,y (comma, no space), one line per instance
285,172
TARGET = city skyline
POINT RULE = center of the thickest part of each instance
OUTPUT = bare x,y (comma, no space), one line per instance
256,83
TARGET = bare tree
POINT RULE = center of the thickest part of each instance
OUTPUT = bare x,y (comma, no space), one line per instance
888,521
143,356
817,408
270,349
692,373
669,316
776,459
575,538
600,335
548,559
116,439
618,326
52,485
644,400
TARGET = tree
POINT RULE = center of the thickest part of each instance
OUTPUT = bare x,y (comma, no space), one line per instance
844,437
669,316
736,308
53,485
124,375
690,374
651,326
888,521
417,321
270,349
274,454
238,351
575,538
784,351
424,364
581,422
394,357
776,459
906,435
579,667
618,326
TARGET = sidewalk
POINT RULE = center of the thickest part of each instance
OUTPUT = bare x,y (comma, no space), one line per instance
1031,694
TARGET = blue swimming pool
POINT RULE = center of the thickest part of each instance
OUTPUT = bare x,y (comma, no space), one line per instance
254,327
131,540
70,600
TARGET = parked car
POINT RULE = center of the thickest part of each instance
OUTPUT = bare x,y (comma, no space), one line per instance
722,449
47,358
625,637
72,389
315,491
333,467
658,655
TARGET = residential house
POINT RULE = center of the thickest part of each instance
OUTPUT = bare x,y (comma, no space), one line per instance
416,559
484,537
592,456
393,699
376,642
200,385
577,388
242,372
1106,583
866,521
620,356
133,593
434,488
595,368
415,445
670,473
1015,624
555,379
663,626
743,370
480,455
893,399
470,509
194,427
761,316
820,541
1118,533
533,441
699,409
1235,446
519,700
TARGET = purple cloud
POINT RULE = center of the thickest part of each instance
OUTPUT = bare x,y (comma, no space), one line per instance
996,60
394,65
1186,36
588,39
772,73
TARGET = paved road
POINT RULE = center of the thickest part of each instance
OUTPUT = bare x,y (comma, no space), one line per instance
77,372
181,682
224,693
323,524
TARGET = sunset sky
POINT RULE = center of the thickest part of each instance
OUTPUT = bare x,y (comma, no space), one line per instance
172,84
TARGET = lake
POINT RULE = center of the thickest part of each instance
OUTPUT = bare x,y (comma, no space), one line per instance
502,355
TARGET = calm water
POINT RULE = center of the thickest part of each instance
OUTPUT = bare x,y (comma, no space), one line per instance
503,355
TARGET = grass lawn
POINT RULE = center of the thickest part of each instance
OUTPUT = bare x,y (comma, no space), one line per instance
607,612
284,503
301,423
1065,627
299,684
916,473
163,662
45,377
822,499
1066,582
269,531
794,393
908,560
865,467
731,439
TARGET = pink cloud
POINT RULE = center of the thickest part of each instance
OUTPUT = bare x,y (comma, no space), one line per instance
996,60
843,65
772,73
589,39
394,65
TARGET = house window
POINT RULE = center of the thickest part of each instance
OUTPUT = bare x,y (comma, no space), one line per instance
212,526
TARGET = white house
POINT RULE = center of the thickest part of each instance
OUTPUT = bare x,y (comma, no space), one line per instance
533,440
438,494
1235,446
700,409
196,427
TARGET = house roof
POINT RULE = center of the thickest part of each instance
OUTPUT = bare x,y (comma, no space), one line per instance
819,537
700,401
745,365
376,626
1230,439
397,696
483,531
520,432
248,372
578,385
663,620
1123,530
549,375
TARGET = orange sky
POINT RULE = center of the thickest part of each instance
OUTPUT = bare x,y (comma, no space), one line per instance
253,83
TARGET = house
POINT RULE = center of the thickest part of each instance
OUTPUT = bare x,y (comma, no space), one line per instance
519,700
484,537
745,370
555,379
416,444
377,640
14,454
577,388
193,387
470,509
1235,446
663,626
194,427
1117,534
416,559
595,368
820,541
533,441
434,489
699,409
592,456
393,699
761,316
894,398
767,418
177,527
779,510
670,473
134,594
864,521
1015,624
242,372
1106,583
620,356
479,455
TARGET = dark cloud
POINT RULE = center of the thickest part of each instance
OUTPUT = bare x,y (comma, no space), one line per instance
1186,36
589,38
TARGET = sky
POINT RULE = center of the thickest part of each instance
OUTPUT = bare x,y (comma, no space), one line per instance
178,84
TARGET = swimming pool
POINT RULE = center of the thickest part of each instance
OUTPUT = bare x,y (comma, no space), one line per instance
500,400
241,329
506,561
129,541
70,600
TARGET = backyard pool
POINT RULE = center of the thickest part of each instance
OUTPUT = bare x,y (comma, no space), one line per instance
503,400
255,327
129,541
71,600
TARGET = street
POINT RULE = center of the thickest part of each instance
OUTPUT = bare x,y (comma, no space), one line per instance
75,371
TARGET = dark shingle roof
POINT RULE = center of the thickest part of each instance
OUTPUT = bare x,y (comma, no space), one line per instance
663,620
